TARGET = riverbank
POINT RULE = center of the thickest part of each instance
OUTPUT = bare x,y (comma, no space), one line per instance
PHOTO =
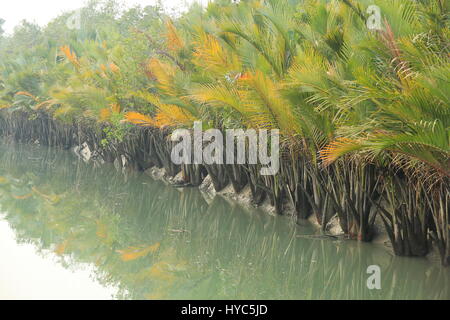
360,216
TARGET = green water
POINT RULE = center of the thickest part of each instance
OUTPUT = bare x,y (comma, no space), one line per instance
73,230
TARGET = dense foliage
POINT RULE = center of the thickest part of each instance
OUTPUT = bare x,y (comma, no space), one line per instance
364,113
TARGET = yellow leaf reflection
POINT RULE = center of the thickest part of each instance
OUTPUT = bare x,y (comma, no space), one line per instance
53,198
61,248
133,253
160,271
26,196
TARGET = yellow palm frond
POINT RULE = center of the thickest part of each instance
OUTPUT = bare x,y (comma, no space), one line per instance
45,104
103,71
173,115
27,94
139,119
174,41
220,96
71,56
270,109
337,148
210,55
105,114
168,114
114,68
164,74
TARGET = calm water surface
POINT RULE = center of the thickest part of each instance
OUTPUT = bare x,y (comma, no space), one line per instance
69,230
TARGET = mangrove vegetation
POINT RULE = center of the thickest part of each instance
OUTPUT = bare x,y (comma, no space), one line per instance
358,89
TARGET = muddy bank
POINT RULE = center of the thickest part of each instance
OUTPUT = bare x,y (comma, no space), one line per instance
244,198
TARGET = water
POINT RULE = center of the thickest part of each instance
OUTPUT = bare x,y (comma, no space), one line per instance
76,231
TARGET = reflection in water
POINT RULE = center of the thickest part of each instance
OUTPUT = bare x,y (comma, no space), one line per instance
151,241
27,273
